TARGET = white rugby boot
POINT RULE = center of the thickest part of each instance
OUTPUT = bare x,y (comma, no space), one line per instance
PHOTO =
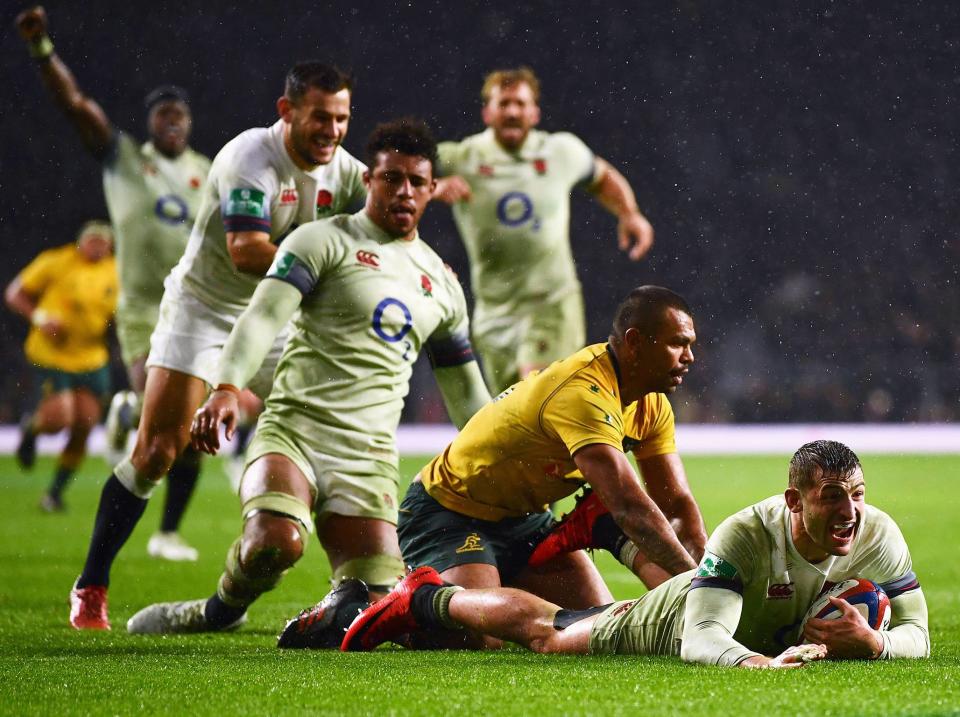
164,618
170,546
122,417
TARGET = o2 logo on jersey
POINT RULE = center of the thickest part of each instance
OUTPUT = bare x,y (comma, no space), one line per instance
516,208
171,209
390,308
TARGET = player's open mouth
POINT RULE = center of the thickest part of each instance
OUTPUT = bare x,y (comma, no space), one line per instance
843,532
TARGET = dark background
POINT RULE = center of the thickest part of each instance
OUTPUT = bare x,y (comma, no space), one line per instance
798,162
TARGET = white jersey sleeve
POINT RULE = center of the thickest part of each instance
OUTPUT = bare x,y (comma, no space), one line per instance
882,555
449,345
575,158
448,158
246,186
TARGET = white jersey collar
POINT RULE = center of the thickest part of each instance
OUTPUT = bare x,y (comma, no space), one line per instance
367,227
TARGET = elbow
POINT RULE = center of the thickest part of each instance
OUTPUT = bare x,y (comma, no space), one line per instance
242,261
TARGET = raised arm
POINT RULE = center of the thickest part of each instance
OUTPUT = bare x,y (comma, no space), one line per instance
618,487
84,113
666,483
612,190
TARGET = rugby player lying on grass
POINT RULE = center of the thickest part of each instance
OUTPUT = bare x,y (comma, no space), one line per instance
763,568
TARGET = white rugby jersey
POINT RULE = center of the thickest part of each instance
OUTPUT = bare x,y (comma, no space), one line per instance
153,201
370,302
516,224
752,555
255,186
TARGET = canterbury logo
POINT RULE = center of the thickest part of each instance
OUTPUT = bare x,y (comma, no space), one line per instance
288,196
368,258
471,544
780,591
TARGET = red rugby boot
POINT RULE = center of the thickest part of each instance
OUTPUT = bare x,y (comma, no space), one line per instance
88,608
576,530
389,618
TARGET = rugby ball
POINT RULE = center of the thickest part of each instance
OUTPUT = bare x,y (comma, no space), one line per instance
865,595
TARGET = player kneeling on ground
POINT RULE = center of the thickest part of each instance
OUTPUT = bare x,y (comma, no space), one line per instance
365,294
763,568
477,510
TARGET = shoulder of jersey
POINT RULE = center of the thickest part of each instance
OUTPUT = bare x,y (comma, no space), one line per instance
329,226
343,156
247,142
764,511
877,522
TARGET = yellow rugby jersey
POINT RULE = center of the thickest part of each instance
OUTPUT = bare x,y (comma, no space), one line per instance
515,455
82,295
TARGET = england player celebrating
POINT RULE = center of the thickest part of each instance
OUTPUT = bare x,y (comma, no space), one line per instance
510,189
370,294
742,607
262,184
153,193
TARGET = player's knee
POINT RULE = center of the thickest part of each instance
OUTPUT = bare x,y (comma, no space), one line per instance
271,544
155,454
545,644
380,572
83,423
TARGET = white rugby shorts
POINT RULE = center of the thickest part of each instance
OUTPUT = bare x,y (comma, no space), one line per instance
190,336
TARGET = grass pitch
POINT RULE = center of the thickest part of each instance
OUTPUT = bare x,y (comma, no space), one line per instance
48,668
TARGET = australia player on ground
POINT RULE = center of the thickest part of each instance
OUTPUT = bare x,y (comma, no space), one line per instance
261,186
153,193
366,294
510,190
478,509
743,606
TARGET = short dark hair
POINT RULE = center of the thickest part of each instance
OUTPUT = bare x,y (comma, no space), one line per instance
831,457
305,75
164,93
407,135
643,309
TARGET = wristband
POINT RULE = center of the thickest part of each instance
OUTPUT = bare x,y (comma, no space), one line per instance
39,317
228,387
41,49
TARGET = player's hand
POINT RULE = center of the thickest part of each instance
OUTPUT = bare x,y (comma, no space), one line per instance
798,656
32,24
635,235
452,190
53,330
221,407
846,637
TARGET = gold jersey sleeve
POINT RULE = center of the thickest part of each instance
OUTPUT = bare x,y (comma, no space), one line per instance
82,296
515,456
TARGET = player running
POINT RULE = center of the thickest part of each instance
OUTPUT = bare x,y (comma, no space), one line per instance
510,190
742,607
365,293
262,185
68,295
153,193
